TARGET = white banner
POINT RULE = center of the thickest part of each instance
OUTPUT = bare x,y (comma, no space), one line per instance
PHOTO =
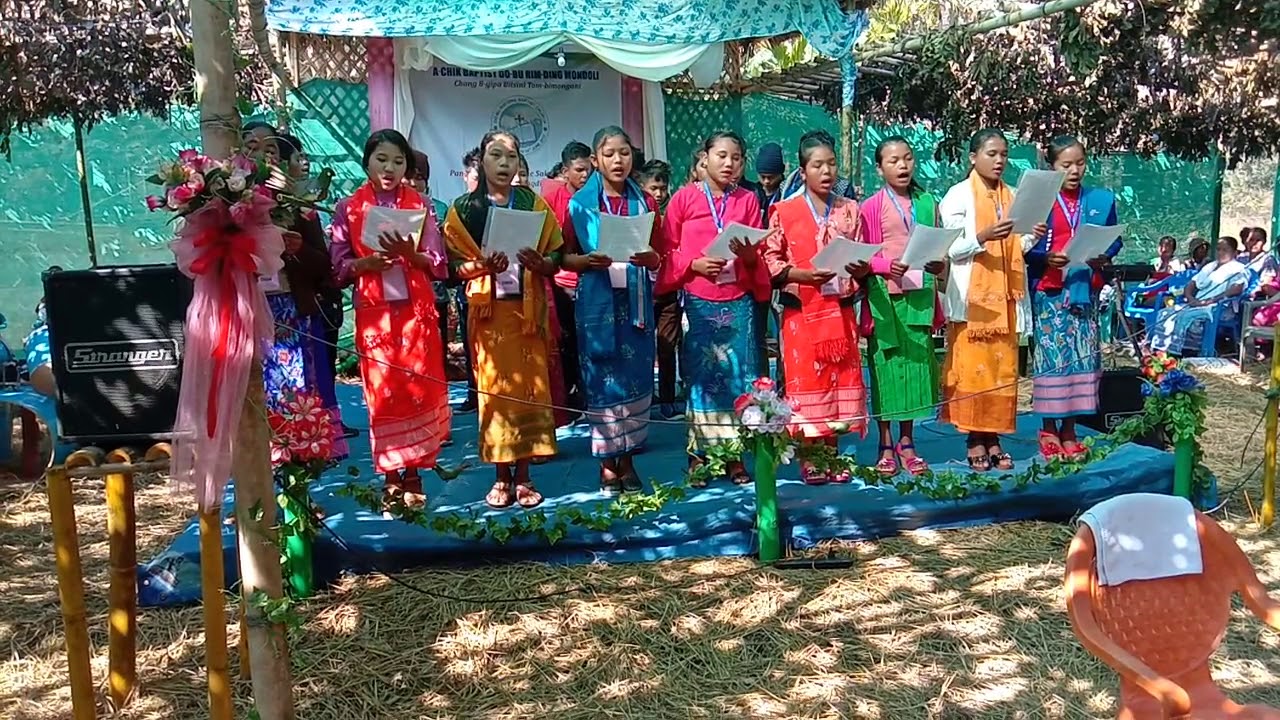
545,106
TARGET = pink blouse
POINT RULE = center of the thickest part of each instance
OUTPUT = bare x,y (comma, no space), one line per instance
343,255
690,229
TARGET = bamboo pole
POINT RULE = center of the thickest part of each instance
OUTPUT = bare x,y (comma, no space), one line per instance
66,550
212,578
82,172
260,555
122,594
1268,515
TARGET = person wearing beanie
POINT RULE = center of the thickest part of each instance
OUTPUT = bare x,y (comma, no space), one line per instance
770,169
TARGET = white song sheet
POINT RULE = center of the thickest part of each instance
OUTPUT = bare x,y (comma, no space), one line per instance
841,252
509,231
1037,192
1091,241
719,248
928,244
622,236
409,224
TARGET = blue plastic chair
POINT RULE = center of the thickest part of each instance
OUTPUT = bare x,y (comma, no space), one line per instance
1171,286
1215,324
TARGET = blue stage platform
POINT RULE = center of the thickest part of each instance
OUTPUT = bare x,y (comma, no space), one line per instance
718,520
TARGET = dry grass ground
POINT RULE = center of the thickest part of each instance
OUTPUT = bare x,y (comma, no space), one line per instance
957,624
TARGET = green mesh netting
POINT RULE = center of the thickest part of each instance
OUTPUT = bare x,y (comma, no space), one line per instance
1160,196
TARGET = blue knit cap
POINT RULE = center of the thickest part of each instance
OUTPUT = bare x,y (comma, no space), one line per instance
769,159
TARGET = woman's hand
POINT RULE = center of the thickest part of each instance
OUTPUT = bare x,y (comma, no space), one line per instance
534,261
935,268
1056,260
999,231
496,262
375,263
649,260
745,251
708,267
858,270
897,269
397,245
598,261
1039,231
1099,262
292,242
809,277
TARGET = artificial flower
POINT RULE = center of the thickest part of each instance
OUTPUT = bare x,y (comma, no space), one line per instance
762,384
155,202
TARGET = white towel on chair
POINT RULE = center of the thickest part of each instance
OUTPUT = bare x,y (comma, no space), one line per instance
1144,536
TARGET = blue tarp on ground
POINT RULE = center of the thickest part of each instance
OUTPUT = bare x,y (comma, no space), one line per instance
716,521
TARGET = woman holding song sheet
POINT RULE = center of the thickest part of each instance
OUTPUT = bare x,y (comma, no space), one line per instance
901,309
722,283
986,304
609,241
507,324
396,322
819,331
1066,361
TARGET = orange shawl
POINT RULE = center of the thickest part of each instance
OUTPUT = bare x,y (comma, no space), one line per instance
999,275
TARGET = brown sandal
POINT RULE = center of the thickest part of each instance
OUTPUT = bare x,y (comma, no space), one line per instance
414,496
695,462
527,496
500,495
738,474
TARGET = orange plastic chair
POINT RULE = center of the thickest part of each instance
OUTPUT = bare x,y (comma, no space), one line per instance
1158,635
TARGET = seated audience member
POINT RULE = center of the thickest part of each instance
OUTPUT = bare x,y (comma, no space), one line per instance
1178,328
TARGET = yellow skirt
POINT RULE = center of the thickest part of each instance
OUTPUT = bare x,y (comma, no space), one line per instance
516,421
980,381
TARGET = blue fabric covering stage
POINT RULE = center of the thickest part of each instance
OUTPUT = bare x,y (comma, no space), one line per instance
716,521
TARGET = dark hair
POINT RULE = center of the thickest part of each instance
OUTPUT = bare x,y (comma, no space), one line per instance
575,150
255,125
1059,145
478,201
1232,242
981,138
391,137
914,186
692,175
637,157
288,145
1251,233
655,170
606,132
812,140
555,170
1171,240
423,164
719,135
471,159
524,165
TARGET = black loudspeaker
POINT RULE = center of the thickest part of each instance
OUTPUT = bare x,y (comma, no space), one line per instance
115,334
1120,398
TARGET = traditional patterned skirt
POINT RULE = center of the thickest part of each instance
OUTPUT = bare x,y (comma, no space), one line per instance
619,388
298,362
905,378
980,380
516,421
823,393
721,354
1066,363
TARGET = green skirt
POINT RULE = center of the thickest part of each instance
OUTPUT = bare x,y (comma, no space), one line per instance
905,378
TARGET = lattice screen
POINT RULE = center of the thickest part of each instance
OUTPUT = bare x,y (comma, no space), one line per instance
327,57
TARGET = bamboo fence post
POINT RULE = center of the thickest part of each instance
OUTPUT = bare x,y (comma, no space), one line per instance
122,594
1268,515
242,645
212,578
66,549
260,554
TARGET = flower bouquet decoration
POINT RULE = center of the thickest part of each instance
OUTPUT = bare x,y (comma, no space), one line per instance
765,417
302,439
1176,400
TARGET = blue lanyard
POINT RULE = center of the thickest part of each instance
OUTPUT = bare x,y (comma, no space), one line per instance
1074,222
511,200
717,214
908,221
825,218
607,206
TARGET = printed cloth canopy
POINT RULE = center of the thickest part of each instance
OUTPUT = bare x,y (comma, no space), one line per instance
640,22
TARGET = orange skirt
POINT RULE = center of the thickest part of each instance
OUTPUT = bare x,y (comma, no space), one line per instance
980,381
823,394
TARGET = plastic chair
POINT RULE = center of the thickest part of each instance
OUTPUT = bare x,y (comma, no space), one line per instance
1232,330
1160,289
1159,635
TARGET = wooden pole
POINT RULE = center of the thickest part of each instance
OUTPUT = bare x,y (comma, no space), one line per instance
82,172
1269,448
66,551
122,594
260,554
212,578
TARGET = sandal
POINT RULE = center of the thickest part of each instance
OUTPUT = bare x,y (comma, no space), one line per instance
414,496
527,496
610,485
916,465
980,462
887,466
738,474
842,477
695,462
1078,452
1001,460
812,476
500,495
1050,446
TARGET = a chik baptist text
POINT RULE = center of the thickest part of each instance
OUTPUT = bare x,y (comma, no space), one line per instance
517,79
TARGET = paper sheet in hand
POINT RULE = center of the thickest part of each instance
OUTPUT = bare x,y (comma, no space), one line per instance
1091,241
510,231
841,252
378,220
1036,194
719,248
622,236
928,244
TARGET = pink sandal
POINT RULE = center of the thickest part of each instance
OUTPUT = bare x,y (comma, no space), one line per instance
887,466
812,476
917,465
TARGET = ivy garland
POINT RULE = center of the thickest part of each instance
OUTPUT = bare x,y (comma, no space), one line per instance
1175,402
